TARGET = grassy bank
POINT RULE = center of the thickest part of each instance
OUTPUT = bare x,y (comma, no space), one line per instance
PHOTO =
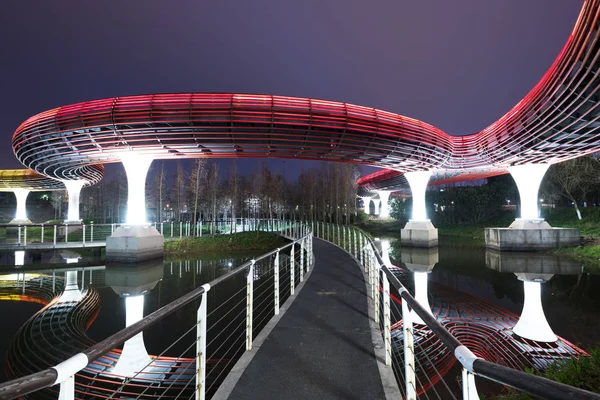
243,241
583,373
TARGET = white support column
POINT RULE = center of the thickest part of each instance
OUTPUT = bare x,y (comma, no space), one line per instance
528,179
366,205
533,324
73,192
384,196
136,167
419,231
137,240
134,356
377,202
418,186
21,212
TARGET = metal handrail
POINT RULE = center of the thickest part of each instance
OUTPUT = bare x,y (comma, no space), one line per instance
525,382
61,372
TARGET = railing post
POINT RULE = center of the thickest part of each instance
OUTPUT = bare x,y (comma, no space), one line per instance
19,234
354,241
387,335
92,232
112,228
201,322
200,228
83,227
42,235
55,234
373,269
409,352
66,233
161,228
180,229
249,304
292,272
25,236
469,389
67,389
276,283
171,228
377,295
302,260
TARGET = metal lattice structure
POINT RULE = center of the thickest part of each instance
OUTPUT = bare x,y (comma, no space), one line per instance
27,179
559,119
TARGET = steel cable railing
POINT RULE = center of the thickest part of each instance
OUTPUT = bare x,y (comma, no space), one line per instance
410,367
219,336
55,234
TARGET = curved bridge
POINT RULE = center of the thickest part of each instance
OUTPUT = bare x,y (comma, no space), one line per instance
558,120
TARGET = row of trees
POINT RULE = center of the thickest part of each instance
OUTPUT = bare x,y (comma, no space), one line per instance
204,191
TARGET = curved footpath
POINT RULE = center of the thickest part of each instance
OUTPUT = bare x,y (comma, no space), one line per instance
322,346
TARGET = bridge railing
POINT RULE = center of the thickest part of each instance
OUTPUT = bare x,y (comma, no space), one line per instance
230,311
404,352
56,233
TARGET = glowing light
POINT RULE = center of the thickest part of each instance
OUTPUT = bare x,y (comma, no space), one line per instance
19,257
74,190
385,251
384,195
377,203
21,195
528,179
134,356
421,295
532,323
136,168
418,185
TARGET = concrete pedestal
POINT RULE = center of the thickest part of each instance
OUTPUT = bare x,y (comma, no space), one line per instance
419,234
530,235
134,244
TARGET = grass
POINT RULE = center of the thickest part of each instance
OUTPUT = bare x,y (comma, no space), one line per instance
589,225
583,373
243,241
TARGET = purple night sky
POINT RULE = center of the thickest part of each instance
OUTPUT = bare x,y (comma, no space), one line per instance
458,65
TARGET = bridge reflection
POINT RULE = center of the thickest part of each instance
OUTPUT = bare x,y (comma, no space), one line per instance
490,331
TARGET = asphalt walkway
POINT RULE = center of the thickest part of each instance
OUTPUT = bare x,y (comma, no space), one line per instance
321,348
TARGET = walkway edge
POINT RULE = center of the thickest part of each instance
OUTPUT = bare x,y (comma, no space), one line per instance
388,380
240,366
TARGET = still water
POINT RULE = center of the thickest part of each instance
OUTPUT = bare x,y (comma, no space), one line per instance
459,270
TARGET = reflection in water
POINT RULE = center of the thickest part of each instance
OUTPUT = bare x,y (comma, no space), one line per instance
485,328
132,282
63,324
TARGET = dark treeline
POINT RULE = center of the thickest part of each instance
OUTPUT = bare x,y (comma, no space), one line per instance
574,183
206,192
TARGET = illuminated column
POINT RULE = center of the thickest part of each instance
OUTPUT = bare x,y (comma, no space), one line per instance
418,186
420,262
136,167
366,204
137,240
377,202
418,231
19,258
384,195
528,179
533,324
21,214
134,356
71,291
385,252
73,190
